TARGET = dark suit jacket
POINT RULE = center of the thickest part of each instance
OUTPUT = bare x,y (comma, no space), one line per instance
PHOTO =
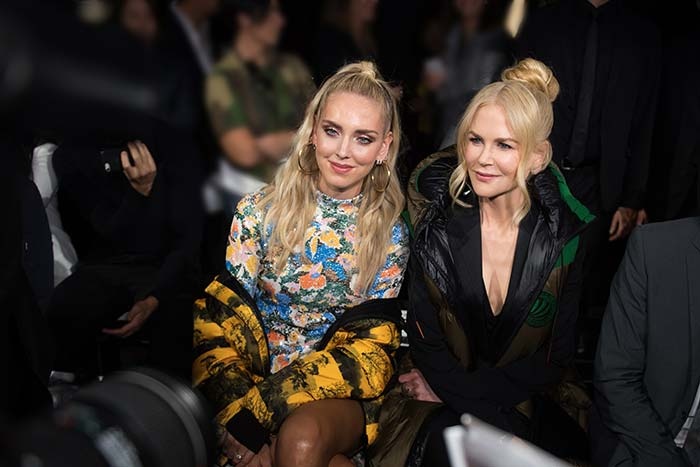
181,89
647,368
675,185
25,275
630,96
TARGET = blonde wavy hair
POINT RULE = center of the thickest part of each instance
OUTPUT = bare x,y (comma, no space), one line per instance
291,197
525,93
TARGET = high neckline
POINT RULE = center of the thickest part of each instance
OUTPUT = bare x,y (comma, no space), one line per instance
328,200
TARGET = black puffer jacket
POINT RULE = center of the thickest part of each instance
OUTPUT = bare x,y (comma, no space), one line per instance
529,349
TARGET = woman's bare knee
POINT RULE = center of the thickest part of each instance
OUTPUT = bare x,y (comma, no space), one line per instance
300,441
316,432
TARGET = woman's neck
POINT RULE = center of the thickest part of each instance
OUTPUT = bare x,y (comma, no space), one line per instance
497,213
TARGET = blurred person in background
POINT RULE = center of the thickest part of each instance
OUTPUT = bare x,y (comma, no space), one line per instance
345,35
44,176
477,49
608,61
255,98
674,192
295,342
26,283
138,17
133,211
187,56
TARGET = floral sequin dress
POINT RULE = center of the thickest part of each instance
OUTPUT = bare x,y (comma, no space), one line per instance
299,304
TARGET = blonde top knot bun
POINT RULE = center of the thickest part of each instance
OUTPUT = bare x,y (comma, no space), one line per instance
365,67
535,74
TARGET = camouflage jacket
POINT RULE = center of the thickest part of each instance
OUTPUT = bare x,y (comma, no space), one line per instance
239,94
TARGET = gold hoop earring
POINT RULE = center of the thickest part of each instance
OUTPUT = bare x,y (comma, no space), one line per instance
303,151
388,178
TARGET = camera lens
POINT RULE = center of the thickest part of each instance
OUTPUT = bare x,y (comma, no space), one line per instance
139,418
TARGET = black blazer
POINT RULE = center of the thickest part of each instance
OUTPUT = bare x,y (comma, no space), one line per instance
630,96
181,89
674,189
647,368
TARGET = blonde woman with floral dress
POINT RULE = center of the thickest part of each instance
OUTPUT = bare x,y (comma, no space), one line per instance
295,345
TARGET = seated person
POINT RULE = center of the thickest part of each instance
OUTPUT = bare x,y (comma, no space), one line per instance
495,276
44,176
255,96
137,234
647,368
297,339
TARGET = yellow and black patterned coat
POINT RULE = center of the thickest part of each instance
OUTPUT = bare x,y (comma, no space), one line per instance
354,360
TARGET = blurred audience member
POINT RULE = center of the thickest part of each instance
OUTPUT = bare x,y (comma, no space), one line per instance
345,35
185,48
137,234
138,17
477,50
25,285
186,28
255,97
675,189
607,60
44,176
647,369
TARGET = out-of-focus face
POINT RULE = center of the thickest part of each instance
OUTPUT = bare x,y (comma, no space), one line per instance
492,154
207,7
364,10
138,18
470,8
267,31
350,136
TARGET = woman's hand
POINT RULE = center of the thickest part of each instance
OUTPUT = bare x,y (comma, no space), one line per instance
414,385
261,459
235,451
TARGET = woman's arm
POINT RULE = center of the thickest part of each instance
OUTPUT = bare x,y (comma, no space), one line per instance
504,386
244,251
388,282
224,337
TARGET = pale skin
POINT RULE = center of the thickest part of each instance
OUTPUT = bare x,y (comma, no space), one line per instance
492,157
350,137
141,175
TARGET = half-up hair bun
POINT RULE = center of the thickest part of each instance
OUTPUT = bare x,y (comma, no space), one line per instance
364,67
535,74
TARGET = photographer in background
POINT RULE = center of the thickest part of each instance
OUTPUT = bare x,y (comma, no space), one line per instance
133,211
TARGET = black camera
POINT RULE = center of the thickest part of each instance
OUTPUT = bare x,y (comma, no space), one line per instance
137,418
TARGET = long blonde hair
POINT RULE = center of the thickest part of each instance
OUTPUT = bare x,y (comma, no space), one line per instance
291,197
525,93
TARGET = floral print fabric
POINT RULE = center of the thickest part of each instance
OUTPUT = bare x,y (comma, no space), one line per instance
299,304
